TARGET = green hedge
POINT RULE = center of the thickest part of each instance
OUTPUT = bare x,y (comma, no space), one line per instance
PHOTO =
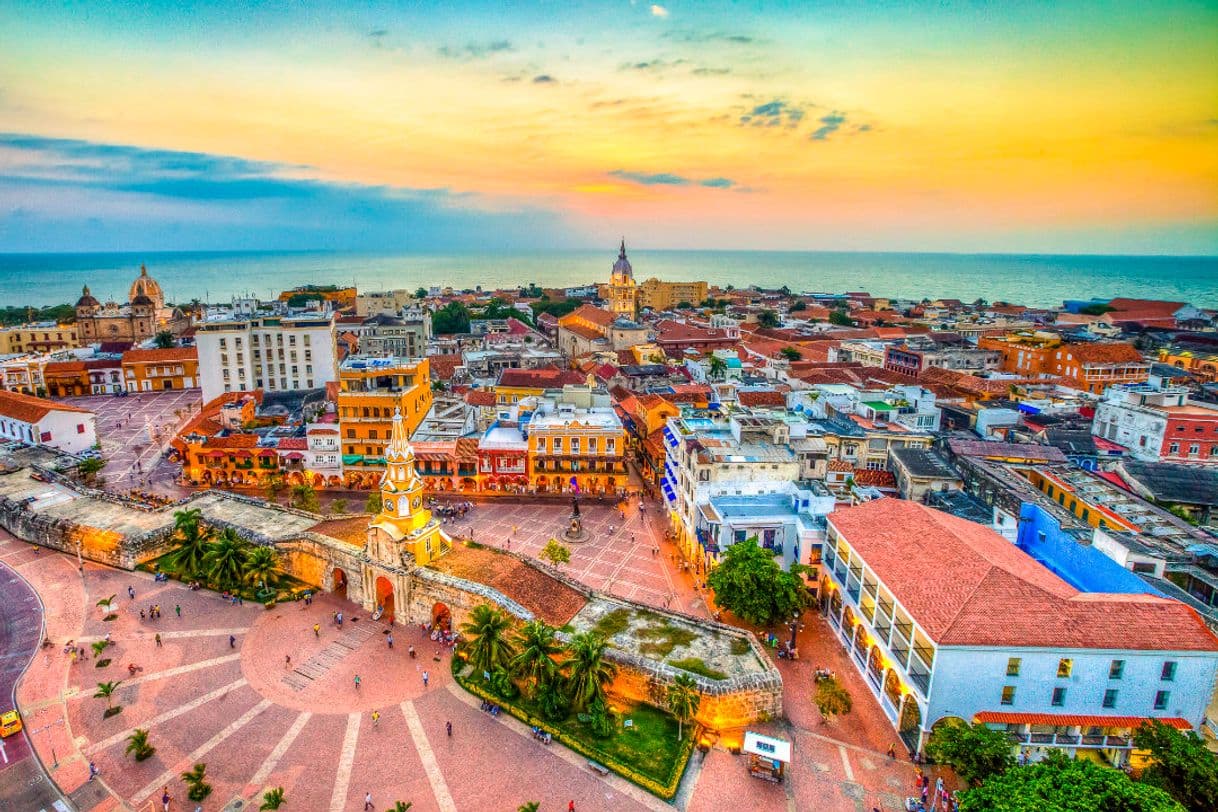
664,790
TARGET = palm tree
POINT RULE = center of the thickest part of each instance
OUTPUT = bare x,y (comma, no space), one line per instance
138,746
486,638
98,647
105,690
683,700
718,367
164,340
225,560
107,604
272,799
588,672
193,540
537,646
260,564
195,779
528,806
401,806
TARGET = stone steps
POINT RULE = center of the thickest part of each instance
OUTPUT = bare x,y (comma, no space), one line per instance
317,666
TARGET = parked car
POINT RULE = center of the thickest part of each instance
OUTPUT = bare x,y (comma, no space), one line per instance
10,724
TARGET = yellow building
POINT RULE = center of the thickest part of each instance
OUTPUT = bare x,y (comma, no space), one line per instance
577,444
1200,363
404,525
161,369
623,292
370,391
40,337
667,295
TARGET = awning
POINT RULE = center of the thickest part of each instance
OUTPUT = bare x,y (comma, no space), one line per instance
757,745
267,452
352,459
294,455
1075,720
216,454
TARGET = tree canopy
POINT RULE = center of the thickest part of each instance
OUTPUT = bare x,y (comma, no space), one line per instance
452,318
1062,784
1182,765
768,319
840,317
749,583
976,752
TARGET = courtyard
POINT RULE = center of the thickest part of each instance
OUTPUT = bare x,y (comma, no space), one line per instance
258,720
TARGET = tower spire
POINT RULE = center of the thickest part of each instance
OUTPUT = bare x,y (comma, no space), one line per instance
622,253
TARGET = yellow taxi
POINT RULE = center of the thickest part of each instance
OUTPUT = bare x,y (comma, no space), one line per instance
10,724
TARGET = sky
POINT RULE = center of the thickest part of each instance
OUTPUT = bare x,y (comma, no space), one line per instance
1013,126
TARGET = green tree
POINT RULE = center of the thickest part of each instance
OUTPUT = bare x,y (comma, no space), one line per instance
1096,309
717,368
749,583
105,690
587,670
486,638
260,565
799,305
420,293
138,746
107,604
975,751
555,553
536,647
553,701
164,340
1181,765
791,353
530,806
684,305
683,700
338,506
274,487
373,503
89,468
197,787
304,497
452,318
832,699
401,806
557,309
768,319
1061,784
224,561
840,317
99,647
272,799
192,539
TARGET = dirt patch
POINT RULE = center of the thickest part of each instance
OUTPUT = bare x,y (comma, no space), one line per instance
353,530
549,599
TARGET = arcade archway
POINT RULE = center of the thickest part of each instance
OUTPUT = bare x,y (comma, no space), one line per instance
339,589
384,598
441,618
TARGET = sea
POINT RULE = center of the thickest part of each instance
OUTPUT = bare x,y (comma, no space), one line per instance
1036,280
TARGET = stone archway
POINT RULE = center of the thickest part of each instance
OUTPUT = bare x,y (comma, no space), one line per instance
441,617
384,599
339,583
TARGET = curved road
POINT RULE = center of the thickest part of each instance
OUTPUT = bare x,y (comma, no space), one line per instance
24,785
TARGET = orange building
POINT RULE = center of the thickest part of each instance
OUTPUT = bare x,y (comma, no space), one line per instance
343,298
161,369
1089,366
369,390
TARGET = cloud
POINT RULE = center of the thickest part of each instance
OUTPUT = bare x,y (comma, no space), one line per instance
659,11
828,125
475,50
653,65
377,33
710,71
80,195
670,179
710,36
776,113
544,79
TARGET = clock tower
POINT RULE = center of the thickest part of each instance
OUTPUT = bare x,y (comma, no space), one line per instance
404,524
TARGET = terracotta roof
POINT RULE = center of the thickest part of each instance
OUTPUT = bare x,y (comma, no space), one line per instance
991,593
1022,452
582,330
841,466
549,377
29,409
443,366
323,430
168,354
674,332
588,313
767,397
874,479
1076,720
232,441
480,397
63,368
1126,309
293,444
1106,352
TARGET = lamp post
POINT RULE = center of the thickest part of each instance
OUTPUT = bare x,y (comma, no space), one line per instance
796,627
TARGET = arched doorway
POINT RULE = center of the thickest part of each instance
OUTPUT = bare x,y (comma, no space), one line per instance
339,588
441,618
910,728
384,599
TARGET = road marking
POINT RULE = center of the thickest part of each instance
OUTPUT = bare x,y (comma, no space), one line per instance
185,764
272,761
182,669
435,777
846,763
167,715
346,760
148,635
3,752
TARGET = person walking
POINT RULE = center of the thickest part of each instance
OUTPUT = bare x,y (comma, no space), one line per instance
317,630
165,799
376,718
571,805
389,639
158,640
367,801
92,771
357,682
449,727
287,661
424,679
130,592
177,608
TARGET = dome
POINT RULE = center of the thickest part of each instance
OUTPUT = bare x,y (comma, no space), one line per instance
86,299
622,266
145,285
141,299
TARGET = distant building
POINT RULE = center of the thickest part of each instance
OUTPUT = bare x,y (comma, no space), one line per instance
39,422
158,370
339,298
576,443
143,316
945,351
386,334
39,337
1159,426
275,353
658,295
623,291
388,302
371,391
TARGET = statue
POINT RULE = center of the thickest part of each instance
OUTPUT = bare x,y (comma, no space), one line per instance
574,507
575,527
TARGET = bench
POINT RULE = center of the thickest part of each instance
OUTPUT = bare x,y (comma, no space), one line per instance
600,769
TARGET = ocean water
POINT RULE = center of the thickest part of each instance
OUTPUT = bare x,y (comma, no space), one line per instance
44,279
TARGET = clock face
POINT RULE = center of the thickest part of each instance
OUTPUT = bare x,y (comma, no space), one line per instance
388,504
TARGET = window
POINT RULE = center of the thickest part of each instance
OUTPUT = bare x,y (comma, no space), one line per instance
609,446
557,445
1059,697
1174,448
541,445
80,428
1110,696
1161,698
1013,666
1064,667
1169,671
1008,694
1116,669
350,434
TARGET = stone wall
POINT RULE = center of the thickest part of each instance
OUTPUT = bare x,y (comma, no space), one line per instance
429,587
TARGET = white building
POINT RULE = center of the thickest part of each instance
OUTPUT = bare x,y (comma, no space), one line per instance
275,353
784,518
947,620
323,450
36,421
1158,425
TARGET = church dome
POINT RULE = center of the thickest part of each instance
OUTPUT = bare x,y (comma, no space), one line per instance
86,299
142,300
622,266
146,286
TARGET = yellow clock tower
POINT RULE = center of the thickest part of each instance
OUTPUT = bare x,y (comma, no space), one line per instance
404,524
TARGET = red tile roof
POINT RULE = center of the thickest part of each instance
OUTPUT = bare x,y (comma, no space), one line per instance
29,409
765,398
232,441
480,397
841,466
1106,352
162,355
1075,720
443,366
988,592
875,479
293,444
588,313
549,377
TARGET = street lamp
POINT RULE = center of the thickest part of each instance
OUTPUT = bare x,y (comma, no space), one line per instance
796,627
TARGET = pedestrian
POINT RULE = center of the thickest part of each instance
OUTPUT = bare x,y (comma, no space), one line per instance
177,607
449,727
165,799
367,801
141,614
157,607
424,679
317,630
287,661
92,771
232,641
130,592
357,682
158,640
376,718
571,806
892,752
389,639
